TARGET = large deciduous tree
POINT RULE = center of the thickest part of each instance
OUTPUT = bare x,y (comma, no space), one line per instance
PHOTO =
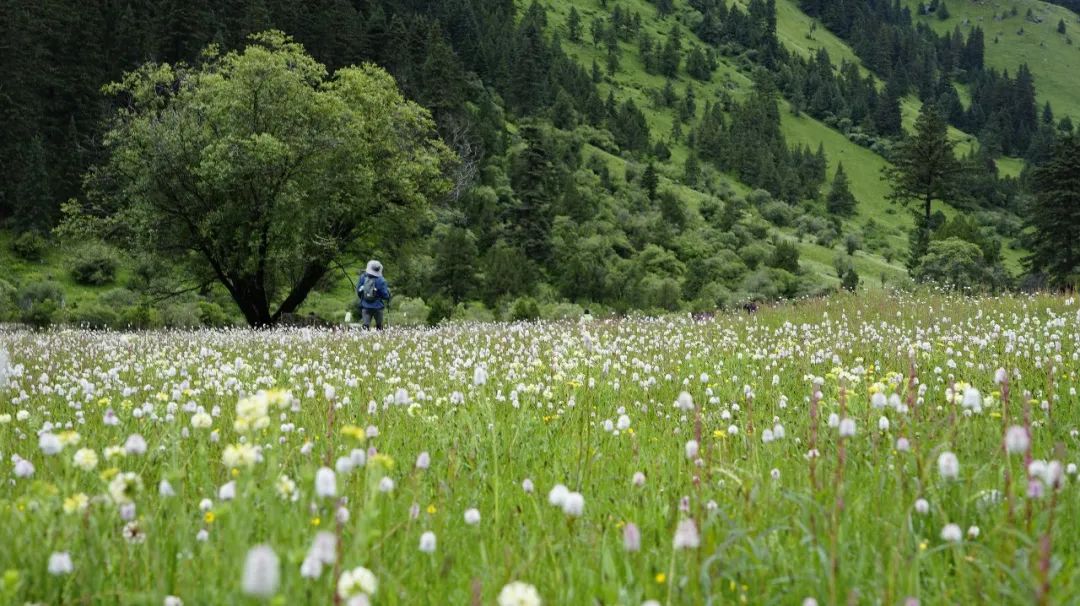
257,168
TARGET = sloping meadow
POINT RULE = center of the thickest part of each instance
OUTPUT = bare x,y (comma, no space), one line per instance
880,449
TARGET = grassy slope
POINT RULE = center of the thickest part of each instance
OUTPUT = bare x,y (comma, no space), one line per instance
632,81
1054,62
54,267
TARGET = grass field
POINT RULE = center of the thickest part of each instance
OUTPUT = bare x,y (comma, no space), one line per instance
845,449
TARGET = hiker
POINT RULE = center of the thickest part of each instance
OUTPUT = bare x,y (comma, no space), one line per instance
374,295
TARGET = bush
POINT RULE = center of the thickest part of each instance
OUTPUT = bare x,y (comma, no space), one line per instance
139,317
852,243
753,254
784,256
851,280
8,309
713,296
441,308
771,283
30,246
40,314
181,315
212,315
659,292
94,316
409,312
39,292
118,298
473,311
95,265
759,197
524,309
842,264
778,213
561,311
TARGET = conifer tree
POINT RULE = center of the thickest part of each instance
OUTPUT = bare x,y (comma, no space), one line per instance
840,200
1053,215
924,169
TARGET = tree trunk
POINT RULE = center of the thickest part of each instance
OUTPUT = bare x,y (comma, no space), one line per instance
313,272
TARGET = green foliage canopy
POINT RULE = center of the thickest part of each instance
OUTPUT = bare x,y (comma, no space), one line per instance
256,169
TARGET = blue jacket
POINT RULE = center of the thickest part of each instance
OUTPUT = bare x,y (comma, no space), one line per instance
381,289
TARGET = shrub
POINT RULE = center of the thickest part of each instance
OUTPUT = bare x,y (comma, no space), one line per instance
212,315
524,309
852,243
753,254
95,265
659,292
94,316
784,256
473,311
713,296
561,311
409,312
181,315
440,309
8,309
139,317
851,280
759,197
39,292
118,298
30,246
40,314
778,213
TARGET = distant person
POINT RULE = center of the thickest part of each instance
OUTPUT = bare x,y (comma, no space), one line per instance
750,307
586,317
374,295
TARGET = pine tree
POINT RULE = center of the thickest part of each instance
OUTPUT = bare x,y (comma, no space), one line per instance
840,200
650,180
573,25
671,52
533,178
943,11
1052,216
887,119
691,170
924,169
697,65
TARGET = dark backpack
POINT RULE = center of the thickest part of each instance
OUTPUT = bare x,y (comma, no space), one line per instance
368,291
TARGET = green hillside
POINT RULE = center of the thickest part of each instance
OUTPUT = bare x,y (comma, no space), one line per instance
606,169
1011,40
864,166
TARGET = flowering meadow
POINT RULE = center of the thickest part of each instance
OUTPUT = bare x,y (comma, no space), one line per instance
847,450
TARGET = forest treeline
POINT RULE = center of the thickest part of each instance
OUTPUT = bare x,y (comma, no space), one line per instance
565,190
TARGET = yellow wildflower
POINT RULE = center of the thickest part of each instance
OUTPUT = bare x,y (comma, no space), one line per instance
383,461
76,503
354,432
